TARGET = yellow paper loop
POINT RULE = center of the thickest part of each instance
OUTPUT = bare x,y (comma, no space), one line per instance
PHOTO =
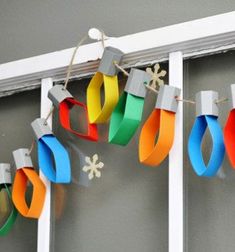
160,125
96,112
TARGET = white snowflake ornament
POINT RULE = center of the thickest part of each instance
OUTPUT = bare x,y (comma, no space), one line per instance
156,76
93,167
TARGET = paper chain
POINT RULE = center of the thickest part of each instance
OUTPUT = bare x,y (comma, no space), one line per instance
126,114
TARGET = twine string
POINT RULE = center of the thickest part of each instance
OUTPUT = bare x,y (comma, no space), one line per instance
185,100
177,98
152,89
31,148
102,38
222,100
120,68
69,69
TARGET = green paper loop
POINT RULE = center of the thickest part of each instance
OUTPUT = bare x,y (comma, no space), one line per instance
125,119
12,217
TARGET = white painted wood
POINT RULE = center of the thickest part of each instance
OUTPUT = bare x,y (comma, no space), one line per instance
196,37
43,243
176,220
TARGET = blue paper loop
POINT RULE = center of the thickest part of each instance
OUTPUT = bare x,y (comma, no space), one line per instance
53,160
195,141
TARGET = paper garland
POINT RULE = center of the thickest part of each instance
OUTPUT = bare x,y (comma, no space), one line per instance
156,137
24,173
126,117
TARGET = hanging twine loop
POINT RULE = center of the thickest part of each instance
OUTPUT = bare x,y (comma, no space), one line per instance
151,88
69,69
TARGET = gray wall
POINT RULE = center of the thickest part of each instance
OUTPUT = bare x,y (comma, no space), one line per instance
32,27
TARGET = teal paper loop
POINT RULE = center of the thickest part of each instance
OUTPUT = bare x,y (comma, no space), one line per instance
7,226
125,119
195,141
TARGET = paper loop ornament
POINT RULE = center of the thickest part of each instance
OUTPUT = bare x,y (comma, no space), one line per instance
127,115
106,76
53,158
206,116
5,183
160,124
24,173
229,129
64,101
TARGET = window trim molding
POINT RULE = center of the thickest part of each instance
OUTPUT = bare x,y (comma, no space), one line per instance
195,38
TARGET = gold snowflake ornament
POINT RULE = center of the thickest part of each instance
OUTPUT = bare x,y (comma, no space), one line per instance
156,76
93,167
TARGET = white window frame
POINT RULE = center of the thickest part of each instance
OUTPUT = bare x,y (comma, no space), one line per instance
174,43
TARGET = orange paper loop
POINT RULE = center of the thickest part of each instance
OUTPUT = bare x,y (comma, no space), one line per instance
161,124
19,193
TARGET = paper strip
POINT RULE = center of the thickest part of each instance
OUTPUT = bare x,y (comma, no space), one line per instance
125,119
96,112
52,153
19,193
160,124
7,226
195,141
64,113
229,137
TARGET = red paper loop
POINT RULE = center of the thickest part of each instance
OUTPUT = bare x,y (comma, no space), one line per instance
229,137
64,113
